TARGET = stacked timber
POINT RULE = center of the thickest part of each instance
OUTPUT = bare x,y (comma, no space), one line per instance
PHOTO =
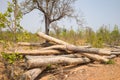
60,53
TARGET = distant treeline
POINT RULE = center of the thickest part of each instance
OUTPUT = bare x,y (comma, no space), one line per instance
103,36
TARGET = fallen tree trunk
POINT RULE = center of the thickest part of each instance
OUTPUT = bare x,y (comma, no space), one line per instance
62,47
110,57
32,74
58,60
29,57
118,47
96,57
88,50
28,44
49,38
115,53
36,52
68,49
91,56
115,50
72,47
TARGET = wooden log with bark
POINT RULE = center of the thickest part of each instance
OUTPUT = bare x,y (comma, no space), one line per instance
96,57
49,38
36,52
73,48
32,73
118,47
29,57
65,49
34,63
28,44
77,55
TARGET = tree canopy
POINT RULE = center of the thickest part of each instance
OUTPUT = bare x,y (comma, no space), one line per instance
52,10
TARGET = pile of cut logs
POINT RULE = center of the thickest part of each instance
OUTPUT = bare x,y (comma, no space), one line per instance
61,53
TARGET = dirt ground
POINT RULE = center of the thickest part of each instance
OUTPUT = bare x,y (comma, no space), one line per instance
91,71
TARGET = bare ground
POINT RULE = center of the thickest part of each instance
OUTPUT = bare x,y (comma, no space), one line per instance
91,71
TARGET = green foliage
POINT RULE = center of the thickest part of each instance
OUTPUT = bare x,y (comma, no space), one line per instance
3,20
24,36
11,58
10,19
49,66
115,36
110,62
102,36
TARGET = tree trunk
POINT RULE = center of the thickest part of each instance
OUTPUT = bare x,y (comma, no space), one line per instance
49,38
96,57
28,57
36,52
77,55
33,63
32,73
15,20
61,47
28,44
88,50
47,23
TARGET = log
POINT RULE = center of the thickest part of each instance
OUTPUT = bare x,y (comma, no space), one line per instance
28,44
32,73
49,38
77,55
72,47
118,47
115,50
29,57
115,53
36,52
96,57
88,50
62,47
33,63
69,49
110,57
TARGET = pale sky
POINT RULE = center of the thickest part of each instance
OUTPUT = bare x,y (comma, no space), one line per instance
95,12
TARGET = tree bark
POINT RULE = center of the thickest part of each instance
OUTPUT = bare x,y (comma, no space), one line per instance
74,48
115,53
33,63
32,73
29,57
88,50
118,47
61,47
28,44
49,38
36,52
68,49
47,23
77,55
110,57
96,57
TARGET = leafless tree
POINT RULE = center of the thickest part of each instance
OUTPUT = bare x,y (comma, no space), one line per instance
52,10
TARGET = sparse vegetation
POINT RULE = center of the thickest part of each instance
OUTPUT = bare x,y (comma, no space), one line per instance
110,62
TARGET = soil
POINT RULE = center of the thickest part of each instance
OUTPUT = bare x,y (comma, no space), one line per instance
91,71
